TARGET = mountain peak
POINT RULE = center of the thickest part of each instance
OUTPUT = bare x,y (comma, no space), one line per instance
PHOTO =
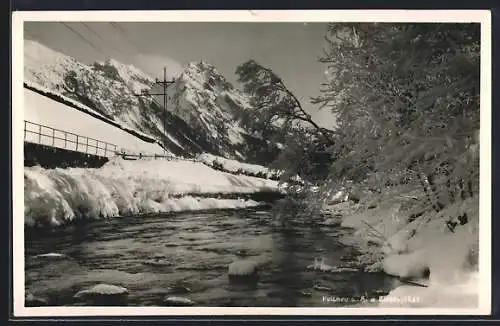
200,65
127,71
203,75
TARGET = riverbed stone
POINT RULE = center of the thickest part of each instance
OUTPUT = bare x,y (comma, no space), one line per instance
178,301
102,290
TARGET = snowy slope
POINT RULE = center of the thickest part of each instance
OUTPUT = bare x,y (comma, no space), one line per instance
420,248
42,110
202,113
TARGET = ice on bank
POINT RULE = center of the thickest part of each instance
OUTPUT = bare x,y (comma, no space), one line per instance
121,187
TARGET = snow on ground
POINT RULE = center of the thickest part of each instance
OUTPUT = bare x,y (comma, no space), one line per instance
235,166
410,248
43,110
121,187
462,294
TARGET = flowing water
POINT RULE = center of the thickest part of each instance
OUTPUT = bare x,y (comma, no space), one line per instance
187,255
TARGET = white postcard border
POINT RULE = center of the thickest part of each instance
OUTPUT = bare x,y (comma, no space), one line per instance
462,16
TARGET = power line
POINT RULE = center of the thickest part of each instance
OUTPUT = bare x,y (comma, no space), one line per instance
119,29
125,35
83,39
113,47
36,38
94,32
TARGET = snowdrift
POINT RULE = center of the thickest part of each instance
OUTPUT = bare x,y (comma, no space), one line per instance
56,196
463,294
423,248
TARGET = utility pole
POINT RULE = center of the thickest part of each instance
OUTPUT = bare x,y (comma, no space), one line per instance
165,84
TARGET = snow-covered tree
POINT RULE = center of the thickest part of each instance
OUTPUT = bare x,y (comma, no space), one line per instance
278,115
406,97
275,107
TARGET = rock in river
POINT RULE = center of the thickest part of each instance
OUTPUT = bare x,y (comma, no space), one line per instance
103,294
178,301
243,268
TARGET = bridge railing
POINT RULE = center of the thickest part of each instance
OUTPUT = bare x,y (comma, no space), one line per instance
45,135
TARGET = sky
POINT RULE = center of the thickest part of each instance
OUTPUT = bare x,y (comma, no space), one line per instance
291,50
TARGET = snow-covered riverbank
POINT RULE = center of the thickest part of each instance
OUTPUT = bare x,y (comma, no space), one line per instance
437,250
123,187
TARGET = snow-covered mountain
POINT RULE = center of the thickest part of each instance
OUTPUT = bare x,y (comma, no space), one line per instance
202,110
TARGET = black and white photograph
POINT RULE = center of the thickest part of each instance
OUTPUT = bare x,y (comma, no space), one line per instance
176,163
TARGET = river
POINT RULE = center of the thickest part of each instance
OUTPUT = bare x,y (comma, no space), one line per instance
187,255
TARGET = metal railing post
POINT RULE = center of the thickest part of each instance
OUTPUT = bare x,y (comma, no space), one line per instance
96,146
65,139
87,146
76,149
53,137
105,148
39,134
